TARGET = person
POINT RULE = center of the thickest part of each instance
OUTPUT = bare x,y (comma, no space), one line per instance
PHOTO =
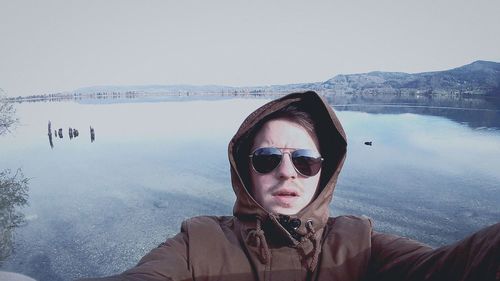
285,160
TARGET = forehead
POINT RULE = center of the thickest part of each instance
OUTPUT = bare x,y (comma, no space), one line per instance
284,133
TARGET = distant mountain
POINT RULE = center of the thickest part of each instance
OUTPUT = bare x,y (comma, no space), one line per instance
480,78
154,89
477,78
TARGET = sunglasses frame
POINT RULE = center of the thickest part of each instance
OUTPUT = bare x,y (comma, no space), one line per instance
292,150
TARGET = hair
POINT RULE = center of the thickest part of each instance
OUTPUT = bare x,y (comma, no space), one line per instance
291,113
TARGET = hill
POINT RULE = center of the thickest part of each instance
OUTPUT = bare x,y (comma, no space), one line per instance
480,78
477,78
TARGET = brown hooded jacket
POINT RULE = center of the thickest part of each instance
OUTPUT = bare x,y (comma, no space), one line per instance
257,245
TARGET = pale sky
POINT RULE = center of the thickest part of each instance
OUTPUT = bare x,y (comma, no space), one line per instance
61,45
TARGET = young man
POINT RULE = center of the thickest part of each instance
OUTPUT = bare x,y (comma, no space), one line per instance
285,160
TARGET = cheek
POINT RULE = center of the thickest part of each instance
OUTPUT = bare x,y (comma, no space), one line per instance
311,185
255,183
259,183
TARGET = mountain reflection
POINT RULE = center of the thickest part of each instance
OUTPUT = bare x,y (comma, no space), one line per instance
475,112
13,195
423,177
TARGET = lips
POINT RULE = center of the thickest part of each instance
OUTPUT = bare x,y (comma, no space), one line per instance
285,198
286,193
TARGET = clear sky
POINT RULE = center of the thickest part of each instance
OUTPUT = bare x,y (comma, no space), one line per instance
61,45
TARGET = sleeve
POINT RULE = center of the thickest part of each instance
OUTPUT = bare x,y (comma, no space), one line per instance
167,262
475,258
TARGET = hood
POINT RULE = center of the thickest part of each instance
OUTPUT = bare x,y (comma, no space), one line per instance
332,141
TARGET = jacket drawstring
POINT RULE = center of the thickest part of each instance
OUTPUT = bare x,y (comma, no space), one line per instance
257,239
315,241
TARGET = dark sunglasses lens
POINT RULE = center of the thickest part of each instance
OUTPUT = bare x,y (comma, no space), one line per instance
307,162
266,159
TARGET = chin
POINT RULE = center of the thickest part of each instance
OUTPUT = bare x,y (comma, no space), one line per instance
286,211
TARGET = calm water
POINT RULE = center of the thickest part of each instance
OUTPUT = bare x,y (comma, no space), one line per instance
96,207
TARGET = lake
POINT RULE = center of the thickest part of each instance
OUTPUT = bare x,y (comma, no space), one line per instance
95,207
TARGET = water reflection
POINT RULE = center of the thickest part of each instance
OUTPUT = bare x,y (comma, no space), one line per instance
92,134
72,133
50,141
50,134
424,177
13,195
475,112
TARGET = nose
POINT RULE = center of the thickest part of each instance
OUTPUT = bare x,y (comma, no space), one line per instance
286,169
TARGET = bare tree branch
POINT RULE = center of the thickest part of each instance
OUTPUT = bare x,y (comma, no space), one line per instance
7,114
13,195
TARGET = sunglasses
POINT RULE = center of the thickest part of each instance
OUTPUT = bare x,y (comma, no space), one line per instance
306,162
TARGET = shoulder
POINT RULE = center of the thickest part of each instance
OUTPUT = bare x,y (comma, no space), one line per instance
350,222
349,230
206,228
347,241
207,222
218,236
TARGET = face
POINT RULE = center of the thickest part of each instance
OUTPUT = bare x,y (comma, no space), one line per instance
284,190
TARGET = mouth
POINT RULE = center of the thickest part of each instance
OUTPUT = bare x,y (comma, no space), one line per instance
286,198
286,193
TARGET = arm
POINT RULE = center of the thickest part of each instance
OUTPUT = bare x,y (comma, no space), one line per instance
474,258
167,262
